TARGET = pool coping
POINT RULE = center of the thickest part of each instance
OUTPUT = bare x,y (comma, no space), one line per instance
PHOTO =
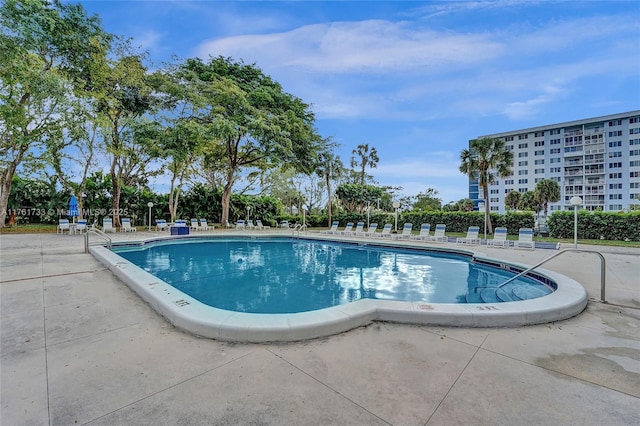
188,314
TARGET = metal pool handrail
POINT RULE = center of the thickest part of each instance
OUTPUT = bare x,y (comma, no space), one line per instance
602,268
98,233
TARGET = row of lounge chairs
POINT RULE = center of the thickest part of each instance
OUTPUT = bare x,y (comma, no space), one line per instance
162,225
81,226
249,224
525,235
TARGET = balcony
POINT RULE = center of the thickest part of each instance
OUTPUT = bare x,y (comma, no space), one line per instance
573,172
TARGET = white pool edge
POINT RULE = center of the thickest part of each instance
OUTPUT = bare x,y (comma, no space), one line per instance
188,314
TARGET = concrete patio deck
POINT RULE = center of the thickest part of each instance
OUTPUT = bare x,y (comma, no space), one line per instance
78,347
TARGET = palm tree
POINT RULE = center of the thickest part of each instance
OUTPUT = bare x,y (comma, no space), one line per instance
512,200
329,167
368,157
547,191
486,159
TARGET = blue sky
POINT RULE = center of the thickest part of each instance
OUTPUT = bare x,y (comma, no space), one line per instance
416,80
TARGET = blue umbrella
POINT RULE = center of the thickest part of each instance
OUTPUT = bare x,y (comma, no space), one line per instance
73,207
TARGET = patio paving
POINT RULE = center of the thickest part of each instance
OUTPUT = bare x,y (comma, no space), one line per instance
78,347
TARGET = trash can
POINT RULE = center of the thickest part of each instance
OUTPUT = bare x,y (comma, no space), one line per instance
179,230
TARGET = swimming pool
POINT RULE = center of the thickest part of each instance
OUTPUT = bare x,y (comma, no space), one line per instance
283,276
188,313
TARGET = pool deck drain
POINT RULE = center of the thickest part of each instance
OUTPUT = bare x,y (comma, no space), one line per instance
78,347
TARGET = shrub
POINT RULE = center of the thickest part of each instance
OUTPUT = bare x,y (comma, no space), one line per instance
596,225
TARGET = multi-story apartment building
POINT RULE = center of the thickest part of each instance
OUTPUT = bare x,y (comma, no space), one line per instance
596,159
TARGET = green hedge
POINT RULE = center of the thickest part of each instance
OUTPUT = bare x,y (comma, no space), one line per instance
596,225
455,221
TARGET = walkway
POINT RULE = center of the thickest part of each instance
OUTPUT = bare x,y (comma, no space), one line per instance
78,347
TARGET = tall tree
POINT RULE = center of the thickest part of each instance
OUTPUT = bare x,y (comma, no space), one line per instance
329,168
122,99
486,159
547,191
364,156
428,200
47,52
249,120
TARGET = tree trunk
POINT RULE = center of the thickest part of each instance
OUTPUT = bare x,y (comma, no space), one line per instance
329,199
5,186
226,200
116,189
487,216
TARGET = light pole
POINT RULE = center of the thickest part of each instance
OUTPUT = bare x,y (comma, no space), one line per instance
304,219
149,204
368,207
395,206
248,208
575,202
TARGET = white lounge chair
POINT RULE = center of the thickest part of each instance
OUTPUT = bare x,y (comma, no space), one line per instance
438,235
259,225
333,229
126,225
499,238
359,229
63,225
525,239
471,238
425,228
406,231
371,230
386,231
240,225
204,226
81,226
180,222
107,225
347,229
284,224
194,225
161,225
249,224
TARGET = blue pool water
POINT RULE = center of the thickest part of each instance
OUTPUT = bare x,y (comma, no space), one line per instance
288,276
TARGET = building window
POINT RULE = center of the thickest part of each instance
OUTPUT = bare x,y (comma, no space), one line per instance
539,143
615,196
554,160
554,132
615,165
509,147
633,174
508,182
634,131
555,142
523,145
539,162
633,185
555,170
615,175
634,163
634,141
538,171
523,172
554,151
615,154
615,123
508,138
615,207
615,144
494,200
523,181
520,137
634,152
523,154
494,191
615,133
522,190
539,152
523,163
634,120
615,186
